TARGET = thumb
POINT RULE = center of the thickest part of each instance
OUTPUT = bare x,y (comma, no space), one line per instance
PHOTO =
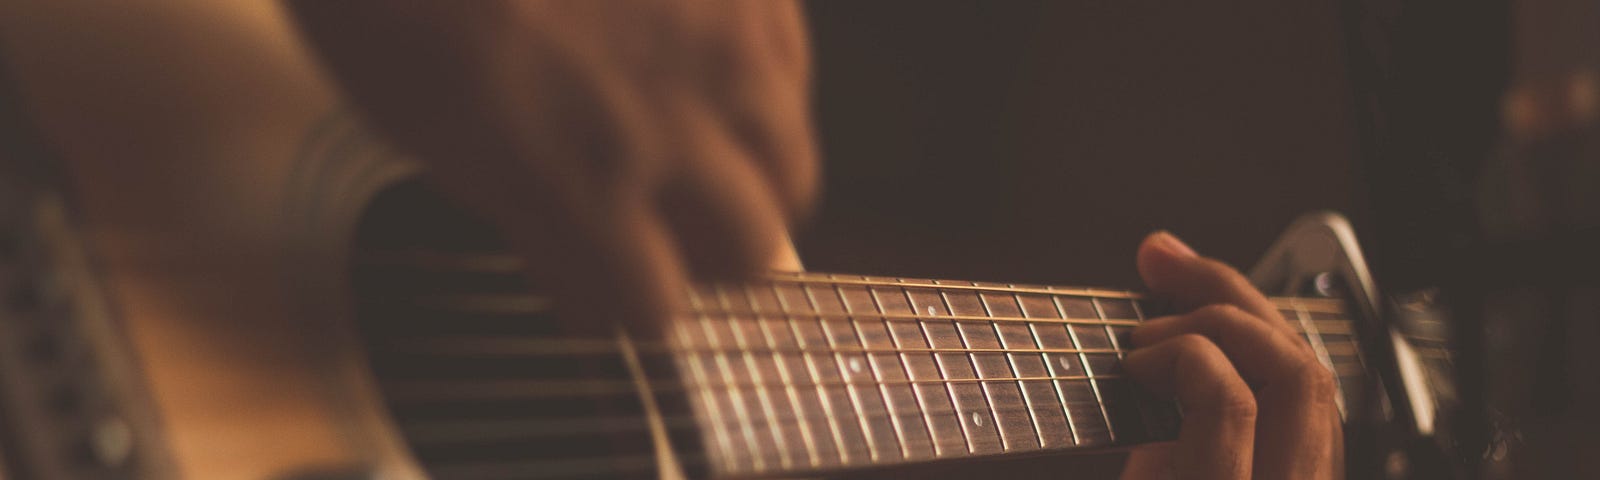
1173,271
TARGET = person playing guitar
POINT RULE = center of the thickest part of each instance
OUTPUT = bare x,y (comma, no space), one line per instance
680,147
626,148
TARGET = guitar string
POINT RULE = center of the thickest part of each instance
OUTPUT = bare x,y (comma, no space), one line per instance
550,345
1331,326
1323,306
470,431
1318,305
530,303
428,390
886,317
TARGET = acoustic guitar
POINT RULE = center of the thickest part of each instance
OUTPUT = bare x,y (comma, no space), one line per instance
212,273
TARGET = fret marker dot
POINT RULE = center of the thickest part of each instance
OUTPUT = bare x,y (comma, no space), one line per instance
931,311
855,365
977,419
1066,363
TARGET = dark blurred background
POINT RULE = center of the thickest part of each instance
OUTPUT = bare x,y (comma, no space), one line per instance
1039,141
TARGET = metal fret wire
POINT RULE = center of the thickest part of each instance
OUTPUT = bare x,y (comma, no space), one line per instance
834,425
889,406
1312,336
741,418
509,264
1111,336
446,433
868,431
488,345
761,394
866,364
1083,360
424,390
1038,343
713,412
1011,364
988,397
1149,429
790,391
1341,324
1310,328
938,369
905,369
838,350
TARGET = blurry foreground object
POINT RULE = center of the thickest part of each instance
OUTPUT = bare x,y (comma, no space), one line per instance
1484,150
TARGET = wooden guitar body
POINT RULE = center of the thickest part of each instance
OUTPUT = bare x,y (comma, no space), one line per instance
184,128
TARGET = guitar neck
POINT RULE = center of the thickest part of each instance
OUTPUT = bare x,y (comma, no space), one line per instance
815,372
793,375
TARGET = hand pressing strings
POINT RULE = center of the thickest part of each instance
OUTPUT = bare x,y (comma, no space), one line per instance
1256,402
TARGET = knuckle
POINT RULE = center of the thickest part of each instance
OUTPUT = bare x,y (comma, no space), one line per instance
1314,382
1222,312
1193,344
1219,269
1216,319
1237,403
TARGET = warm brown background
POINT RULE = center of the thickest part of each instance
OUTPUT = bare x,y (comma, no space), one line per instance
1038,141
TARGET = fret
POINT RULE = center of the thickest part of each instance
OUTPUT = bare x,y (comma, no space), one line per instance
823,368
1343,354
822,278
904,411
1314,338
1050,424
713,409
972,407
1122,413
882,441
1053,396
747,332
756,435
621,387
1090,321
1337,348
1084,397
541,345
1162,417
1005,399
1141,418
879,371
808,413
934,401
1335,330
1119,327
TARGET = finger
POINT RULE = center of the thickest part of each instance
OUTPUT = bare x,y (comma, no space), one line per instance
767,102
1218,433
622,268
1294,392
1174,271
1152,461
1260,352
720,208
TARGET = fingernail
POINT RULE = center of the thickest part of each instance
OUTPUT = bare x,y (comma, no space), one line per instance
1169,242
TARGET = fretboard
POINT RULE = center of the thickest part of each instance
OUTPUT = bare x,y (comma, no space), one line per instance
798,374
816,372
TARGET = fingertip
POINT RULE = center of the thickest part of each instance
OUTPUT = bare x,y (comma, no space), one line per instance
1170,243
1158,254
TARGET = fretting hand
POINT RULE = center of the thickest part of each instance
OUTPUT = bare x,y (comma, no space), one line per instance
620,145
1256,402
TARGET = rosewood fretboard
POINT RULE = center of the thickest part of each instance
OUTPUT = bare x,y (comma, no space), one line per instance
819,371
